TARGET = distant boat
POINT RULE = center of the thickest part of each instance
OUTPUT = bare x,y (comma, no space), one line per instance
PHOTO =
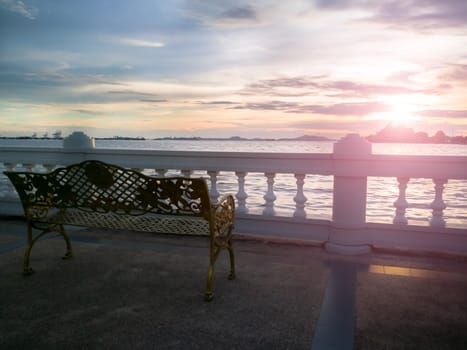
34,136
46,135
57,134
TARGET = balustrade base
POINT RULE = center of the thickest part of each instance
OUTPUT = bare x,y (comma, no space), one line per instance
283,227
347,249
11,207
348,239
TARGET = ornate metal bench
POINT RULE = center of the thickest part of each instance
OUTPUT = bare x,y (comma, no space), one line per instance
100,195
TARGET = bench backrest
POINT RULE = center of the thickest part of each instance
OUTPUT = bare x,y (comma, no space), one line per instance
98,186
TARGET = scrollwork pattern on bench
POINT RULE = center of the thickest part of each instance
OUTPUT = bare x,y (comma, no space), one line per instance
97,194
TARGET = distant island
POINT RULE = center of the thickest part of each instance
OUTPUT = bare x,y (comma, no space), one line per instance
400,134
238,138
57,136
389,134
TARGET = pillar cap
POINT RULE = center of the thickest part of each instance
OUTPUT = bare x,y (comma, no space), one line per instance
78,140
352,145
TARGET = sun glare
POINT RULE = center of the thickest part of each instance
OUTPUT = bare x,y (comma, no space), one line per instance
401,113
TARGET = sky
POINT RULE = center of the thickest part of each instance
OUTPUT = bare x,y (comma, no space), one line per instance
218,68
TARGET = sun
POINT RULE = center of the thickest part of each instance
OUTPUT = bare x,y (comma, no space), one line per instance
401,112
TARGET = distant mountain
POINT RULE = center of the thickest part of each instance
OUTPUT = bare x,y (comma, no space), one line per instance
402,134
306,138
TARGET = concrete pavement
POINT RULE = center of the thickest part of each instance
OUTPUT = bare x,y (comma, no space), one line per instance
128,290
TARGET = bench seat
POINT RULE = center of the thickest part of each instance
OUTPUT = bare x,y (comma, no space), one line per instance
144,223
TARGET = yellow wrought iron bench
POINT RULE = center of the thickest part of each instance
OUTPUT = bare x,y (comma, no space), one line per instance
101,195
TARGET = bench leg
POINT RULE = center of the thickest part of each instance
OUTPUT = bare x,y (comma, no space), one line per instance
229,247
232,260
215,249
208,295
27,270
69,251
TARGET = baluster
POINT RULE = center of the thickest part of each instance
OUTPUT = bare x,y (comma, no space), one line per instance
300,198
401,203
186,173
8,188
269,197
161,172
241,194
213,193
10,166
438,204
28,166
48,167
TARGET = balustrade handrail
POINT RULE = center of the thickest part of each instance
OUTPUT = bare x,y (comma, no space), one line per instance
415,166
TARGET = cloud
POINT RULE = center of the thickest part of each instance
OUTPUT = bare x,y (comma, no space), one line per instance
131,95
345,109
87,112
366,90
137,42
455,72
404,76
20,7
423,14
269,106
342,109
284,86
303,85
414,14
239,13
294,82
218,103
443,113
152,100
222,14
131,41
337,4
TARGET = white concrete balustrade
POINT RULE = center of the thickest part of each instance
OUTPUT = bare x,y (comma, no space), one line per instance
350,165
